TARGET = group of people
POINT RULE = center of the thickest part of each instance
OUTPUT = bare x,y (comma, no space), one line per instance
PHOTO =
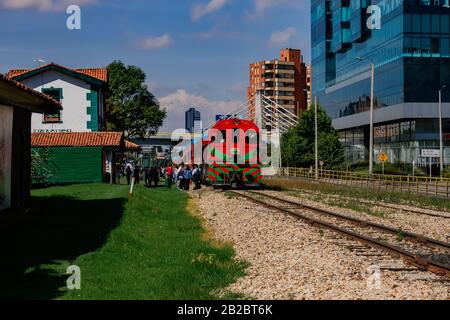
151,174
183,176
129,171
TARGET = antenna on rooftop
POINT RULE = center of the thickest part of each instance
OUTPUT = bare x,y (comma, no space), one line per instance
39,61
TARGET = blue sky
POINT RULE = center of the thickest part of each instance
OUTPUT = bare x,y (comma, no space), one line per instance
195,53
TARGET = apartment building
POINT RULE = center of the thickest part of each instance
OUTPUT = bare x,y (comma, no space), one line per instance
282,80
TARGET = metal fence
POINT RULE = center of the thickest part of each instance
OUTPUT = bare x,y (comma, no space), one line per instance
423,185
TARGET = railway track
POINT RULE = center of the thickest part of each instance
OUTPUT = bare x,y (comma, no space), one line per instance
422,252
384,205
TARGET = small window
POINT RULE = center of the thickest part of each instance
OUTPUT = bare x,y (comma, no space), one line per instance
416,26
57,95
426,23
444,24
435,26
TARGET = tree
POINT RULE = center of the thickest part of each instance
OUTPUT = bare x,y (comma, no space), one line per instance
43,169
297,145
132,108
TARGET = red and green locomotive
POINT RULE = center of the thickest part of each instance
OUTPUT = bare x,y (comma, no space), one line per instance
232,158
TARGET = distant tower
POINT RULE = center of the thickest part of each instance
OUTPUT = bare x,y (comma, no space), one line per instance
193,121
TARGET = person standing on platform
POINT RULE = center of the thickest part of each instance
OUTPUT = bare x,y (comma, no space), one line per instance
137,173
187,176
129,171
180,178
196,177
169,176
155,176
147,176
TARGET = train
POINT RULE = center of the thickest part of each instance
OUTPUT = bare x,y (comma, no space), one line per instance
233,162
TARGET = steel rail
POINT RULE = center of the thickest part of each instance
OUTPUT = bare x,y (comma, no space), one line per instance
386,205
412,258
406,234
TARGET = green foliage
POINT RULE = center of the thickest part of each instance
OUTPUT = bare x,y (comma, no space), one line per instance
297,145
132,108
43,169
397,168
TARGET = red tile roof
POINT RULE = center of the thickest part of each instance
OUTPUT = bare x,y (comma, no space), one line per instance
77,139
51,103
132,146
97,73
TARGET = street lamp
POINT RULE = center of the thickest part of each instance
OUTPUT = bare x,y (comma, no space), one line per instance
316,138
372,66
441,143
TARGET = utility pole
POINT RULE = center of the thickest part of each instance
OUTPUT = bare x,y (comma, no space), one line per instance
372,86
372,82
441,143
316,139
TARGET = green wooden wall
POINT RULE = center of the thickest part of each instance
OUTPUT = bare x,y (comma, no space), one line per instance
76,164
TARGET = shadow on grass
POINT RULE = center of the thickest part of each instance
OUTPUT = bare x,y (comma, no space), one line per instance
59,230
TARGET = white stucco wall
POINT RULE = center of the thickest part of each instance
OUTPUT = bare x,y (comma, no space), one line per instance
74,114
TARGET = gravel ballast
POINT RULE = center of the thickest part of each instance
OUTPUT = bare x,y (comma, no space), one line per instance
293,260
428,226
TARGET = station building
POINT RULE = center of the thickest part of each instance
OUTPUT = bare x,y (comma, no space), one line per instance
411,54
81,157
75,136
82,92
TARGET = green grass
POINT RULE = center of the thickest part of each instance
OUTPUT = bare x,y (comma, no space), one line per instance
412,199
148,247
335,201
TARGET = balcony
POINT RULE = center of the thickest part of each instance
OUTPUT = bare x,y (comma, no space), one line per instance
281,71
285,80
285,63
288,89
289,98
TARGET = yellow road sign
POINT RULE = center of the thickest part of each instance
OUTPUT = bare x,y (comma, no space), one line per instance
383,157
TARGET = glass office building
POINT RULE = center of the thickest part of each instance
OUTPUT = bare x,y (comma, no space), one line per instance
411,54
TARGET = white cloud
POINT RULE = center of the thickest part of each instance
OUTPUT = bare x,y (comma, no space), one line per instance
261,6
177,103
43,5
282,38
237,88
155,43
199,10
